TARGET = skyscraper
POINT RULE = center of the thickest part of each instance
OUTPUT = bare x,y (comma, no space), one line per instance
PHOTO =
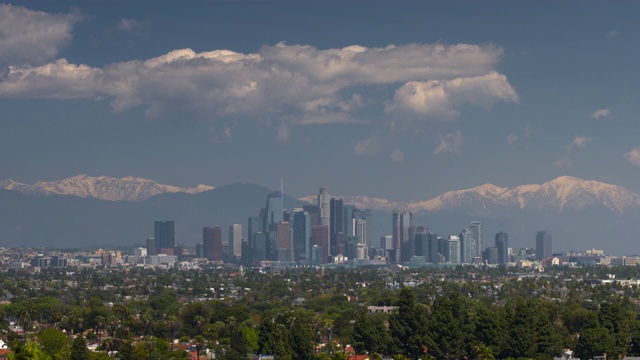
452,249
164,235
337,220
151,246
467,246
324,207
476,230
543,245
320,236
402,235
212,243
502,244
273,215
301,236
235,240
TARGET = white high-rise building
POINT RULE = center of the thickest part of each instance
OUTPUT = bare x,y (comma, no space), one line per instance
476,230
235,240
324,208
453,249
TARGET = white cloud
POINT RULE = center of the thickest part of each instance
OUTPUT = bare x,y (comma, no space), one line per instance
579,142
397,156
601,113
32,36
368,147
511,138
228,133
451,143
613,33
300,83
633,156
441,98
563,162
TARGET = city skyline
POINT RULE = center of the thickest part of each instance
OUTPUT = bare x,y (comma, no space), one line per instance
447,96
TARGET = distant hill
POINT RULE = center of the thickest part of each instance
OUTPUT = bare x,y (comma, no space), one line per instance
64,220
581,214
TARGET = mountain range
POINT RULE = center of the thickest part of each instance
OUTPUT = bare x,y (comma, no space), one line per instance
83,210
101,187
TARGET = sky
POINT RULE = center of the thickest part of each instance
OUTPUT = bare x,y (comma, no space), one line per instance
395,99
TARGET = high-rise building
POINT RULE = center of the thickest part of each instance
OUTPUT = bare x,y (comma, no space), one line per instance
402,235
349,209
360,228
274,210
212,243
151,246
467,246
301,236
285,246
320,238
314,213
433,248
476,230
254,226
386,243
164,235
235,240
490,255
324,206
502,244
421,245
337,220
543,245
452,249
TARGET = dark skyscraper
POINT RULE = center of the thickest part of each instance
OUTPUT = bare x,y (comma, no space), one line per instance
337,222
164,235
402,230
502,244
302,236
151,246
320,236
212,243
543,245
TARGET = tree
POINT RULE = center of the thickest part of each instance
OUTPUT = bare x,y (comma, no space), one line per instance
408,326
54,343
595,342
79,349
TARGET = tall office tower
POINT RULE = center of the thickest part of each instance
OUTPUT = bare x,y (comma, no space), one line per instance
151,246
212,243
320,238
490,255
164,235
476,230
401,235
273,215
324,207
360,228
254,226
543,245
314,213
421,245
467,246
433,248
274,210
349,209
452,249
502,244
235,240
301,236
199,251
386,243
337,227
284,239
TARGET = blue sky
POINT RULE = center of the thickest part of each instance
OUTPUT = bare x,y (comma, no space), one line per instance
403,100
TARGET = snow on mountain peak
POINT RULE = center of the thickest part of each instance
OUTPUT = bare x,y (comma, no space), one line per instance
101,187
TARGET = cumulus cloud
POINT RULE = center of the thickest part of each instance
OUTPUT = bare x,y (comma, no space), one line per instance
32,36
601,113
440,98
368,147
451,143
397,156
306,84
633,156
564,162
579,142
511,138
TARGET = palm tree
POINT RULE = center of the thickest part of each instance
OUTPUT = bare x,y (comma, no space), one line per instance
173,326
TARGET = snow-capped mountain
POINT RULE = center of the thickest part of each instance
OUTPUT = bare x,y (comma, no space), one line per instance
563,193
101,187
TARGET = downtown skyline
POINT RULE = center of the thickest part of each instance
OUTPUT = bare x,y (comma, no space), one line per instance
402,101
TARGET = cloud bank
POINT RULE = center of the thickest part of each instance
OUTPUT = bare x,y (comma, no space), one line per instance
297,83
33,37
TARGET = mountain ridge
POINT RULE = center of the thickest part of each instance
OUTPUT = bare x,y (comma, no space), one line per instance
101,187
